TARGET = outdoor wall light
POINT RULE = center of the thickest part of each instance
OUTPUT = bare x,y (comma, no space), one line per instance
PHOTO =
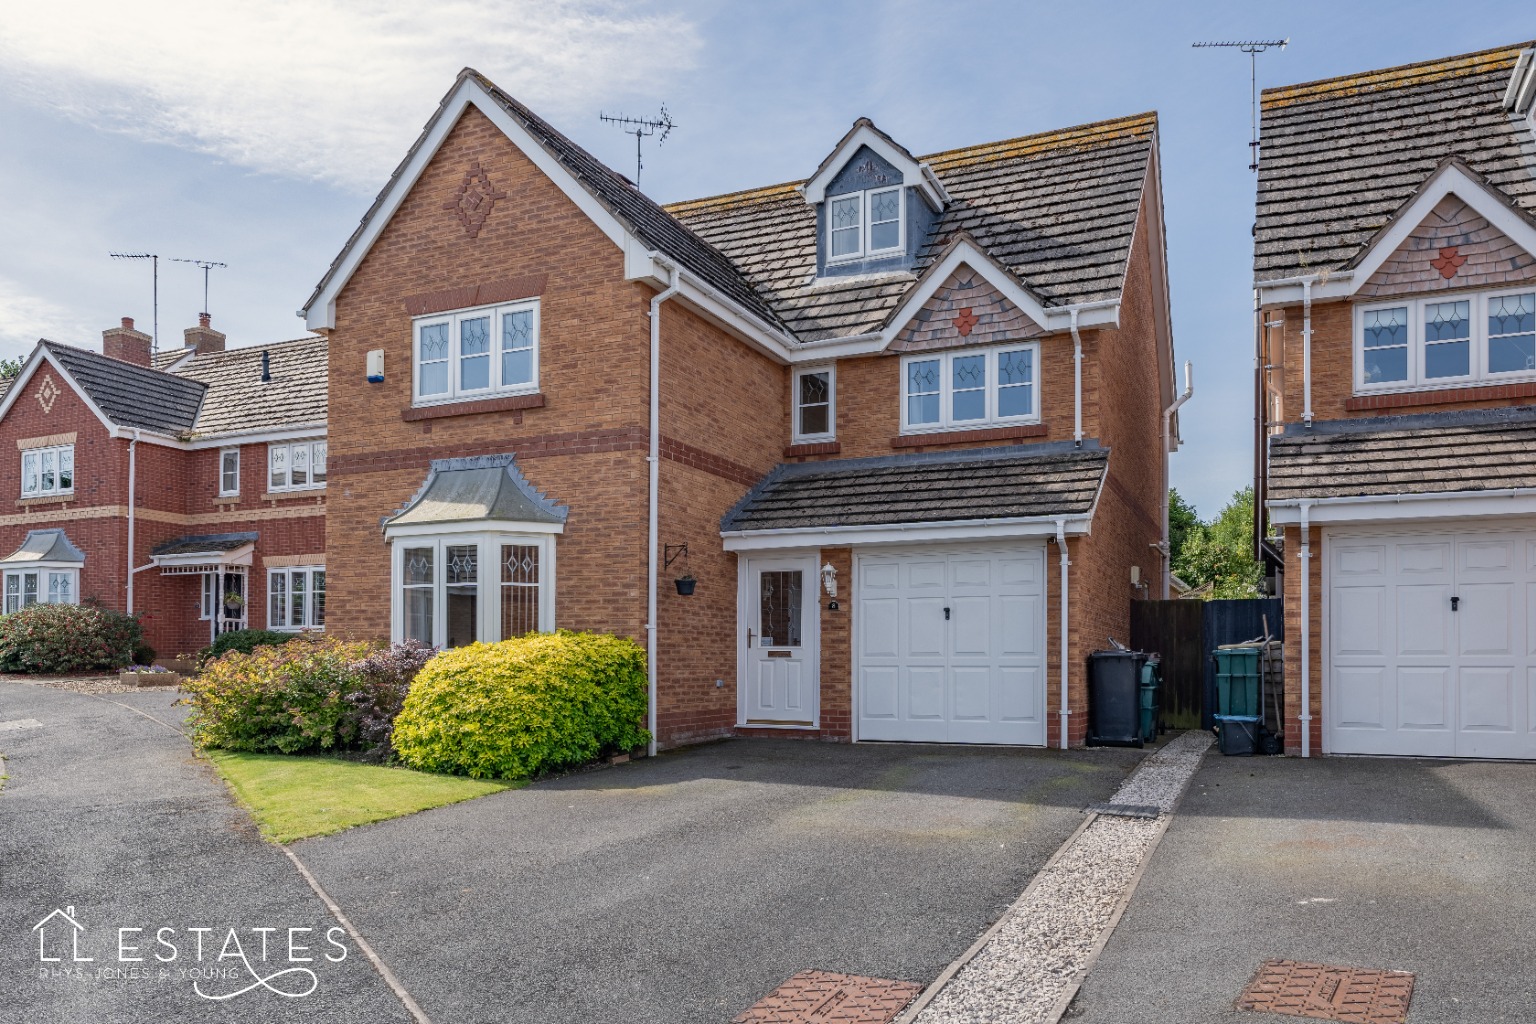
829,579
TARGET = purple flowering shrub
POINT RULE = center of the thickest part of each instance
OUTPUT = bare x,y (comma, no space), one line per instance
56,638
383,678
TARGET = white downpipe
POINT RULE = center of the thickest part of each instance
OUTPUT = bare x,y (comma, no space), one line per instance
1077,382
133,465
1306,349
1306,632
1189,390
653,512
1061,542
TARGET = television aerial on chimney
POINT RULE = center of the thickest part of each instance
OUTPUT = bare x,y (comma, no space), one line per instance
640,128
205,266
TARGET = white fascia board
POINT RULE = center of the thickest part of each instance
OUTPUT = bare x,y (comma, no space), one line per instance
1337,285
486,527
322,312
1405,507
1451,179
912,172
917,533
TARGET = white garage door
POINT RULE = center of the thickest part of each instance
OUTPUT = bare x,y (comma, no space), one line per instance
951,645
1431,645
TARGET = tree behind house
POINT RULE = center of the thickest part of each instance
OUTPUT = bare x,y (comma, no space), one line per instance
1218,553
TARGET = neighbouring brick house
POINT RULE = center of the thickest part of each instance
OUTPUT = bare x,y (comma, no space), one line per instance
224,523
1396,274
884,398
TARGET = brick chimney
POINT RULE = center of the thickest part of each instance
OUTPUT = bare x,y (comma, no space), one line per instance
203,337
127,344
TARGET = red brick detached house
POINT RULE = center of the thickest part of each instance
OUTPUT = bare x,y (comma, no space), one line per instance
185,486
1396,271
820,446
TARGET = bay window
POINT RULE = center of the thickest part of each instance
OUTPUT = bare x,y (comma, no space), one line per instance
47,472
24,587
454,589
296,598
297,466
970,388
476,353
1446,340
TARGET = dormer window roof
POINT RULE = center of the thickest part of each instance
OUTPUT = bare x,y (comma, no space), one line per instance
908,170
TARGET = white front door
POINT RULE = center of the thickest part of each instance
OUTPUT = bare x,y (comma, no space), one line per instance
1431,650
951,645
780,682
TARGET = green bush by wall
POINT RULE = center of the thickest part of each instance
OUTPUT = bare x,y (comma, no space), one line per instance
520,707
48,638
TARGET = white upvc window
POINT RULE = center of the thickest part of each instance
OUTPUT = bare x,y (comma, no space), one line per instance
815,398
1446,340
455,589
296,597
476,353
296,466
967,388
863,224
46,472
229,472
25,587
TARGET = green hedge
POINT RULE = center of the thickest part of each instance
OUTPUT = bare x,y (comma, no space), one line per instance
289,699
521,707
245,641
50,638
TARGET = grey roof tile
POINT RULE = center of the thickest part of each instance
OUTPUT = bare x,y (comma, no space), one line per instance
239,401
130,395
1341,156
1474,450
989,483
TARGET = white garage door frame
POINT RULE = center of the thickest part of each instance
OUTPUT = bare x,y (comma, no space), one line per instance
1524,529
862,556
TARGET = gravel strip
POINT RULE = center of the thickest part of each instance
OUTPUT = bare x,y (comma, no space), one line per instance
92,685
1046,941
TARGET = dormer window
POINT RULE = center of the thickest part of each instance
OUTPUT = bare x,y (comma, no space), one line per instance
864,224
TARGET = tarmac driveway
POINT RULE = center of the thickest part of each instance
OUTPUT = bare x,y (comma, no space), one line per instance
1412,865
686,887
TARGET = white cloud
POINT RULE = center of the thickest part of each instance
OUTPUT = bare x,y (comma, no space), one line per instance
26,316
329,90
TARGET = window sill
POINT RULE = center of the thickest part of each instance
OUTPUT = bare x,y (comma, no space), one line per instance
305,492
510,403
812,448
1440,396
938,437
46,499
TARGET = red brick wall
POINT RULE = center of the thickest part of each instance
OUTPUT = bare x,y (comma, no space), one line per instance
1293,576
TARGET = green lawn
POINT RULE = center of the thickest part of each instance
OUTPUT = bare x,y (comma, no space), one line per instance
297,797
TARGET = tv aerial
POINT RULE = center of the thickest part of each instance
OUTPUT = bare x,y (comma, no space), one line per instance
204,266
1252,47
641,128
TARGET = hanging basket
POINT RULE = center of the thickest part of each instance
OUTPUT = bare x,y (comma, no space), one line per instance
685,585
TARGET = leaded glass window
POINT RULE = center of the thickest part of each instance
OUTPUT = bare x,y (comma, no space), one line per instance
517,347
296,466
417,578
968,388
487,587
1512,333
47,471
885,219
779,602
813,403
1016,383
432,360
473,353
844,217
1386,345
1447,339
519,589
923,381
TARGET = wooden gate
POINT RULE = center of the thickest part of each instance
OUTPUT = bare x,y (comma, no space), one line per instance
1185,633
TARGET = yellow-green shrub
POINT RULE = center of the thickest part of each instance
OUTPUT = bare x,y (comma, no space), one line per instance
521,707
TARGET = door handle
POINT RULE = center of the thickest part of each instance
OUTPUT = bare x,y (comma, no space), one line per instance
946,614
1455,601
750,635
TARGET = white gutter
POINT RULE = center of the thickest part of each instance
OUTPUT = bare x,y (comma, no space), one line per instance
1306,350
1392,499
1189,390
653,511
1077,382
1066,563
1306,633
133,465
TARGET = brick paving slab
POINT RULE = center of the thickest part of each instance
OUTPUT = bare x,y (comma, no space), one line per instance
1355,995
822,997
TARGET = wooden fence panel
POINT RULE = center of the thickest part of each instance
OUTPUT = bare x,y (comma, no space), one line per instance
1184,633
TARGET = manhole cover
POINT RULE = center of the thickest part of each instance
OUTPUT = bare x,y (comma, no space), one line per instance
821,997
1354,994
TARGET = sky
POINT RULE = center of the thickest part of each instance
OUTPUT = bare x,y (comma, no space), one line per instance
257,134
